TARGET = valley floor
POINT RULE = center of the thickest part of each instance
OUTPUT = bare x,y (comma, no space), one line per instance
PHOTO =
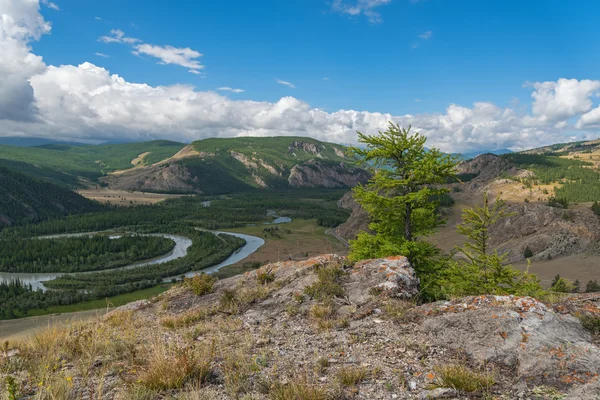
124,197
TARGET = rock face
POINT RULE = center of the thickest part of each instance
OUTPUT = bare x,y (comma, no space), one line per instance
520,334
358,220
330,329
488,167
311,148
315,173
548,232
170,177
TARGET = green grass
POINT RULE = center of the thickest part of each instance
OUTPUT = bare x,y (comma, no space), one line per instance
114,301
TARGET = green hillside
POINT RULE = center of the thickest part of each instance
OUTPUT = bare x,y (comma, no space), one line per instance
24,199
65,163
274,149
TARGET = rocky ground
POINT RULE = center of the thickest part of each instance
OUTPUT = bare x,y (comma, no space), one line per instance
317,329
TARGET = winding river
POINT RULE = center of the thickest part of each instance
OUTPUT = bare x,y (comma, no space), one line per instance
182,244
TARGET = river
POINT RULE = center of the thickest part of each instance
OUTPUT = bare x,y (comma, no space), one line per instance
23,327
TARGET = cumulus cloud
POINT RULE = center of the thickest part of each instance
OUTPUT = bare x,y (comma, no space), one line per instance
228,89
87,102
364,7
285,83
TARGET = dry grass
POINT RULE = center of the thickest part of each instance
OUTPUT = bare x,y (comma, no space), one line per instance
200,284
462,378
352,376
326,286
170,367
186,319
297,390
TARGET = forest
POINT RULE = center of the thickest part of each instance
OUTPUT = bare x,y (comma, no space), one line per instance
79,254
207,249
579,182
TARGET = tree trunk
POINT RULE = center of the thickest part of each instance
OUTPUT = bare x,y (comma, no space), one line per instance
408,222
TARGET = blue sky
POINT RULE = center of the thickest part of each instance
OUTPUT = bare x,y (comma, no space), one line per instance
397,57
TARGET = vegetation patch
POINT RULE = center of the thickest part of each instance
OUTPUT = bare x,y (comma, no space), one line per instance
462,378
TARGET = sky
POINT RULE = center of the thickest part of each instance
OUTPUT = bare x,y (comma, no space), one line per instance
469,74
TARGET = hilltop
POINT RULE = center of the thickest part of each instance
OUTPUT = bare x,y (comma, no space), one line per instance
214,166
322,328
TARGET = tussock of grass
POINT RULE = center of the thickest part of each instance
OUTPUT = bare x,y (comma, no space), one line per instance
200,284
265,276
352,376
187,319
461,378
297,390
169,367
326,286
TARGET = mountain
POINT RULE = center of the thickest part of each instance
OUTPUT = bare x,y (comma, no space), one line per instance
77,166
215,166
24,199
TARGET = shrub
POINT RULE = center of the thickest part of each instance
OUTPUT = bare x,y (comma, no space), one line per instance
558,202
590,323
592,286
200,284
461,378
527,253
265,276
562,286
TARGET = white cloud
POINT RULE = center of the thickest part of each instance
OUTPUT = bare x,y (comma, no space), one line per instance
228,89
101,55
50,4
426,35
118,36
87,102
98,18
286,83
326,78
184,57
358,7
558,101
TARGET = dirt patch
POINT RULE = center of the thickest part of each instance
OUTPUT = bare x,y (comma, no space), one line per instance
139,160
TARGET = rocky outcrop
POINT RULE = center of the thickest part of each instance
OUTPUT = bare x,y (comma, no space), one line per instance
327,328
488,167
315,173
310,148
548,232
519,334
171,177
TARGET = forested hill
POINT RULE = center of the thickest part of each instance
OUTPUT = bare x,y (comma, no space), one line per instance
229,165
25,199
